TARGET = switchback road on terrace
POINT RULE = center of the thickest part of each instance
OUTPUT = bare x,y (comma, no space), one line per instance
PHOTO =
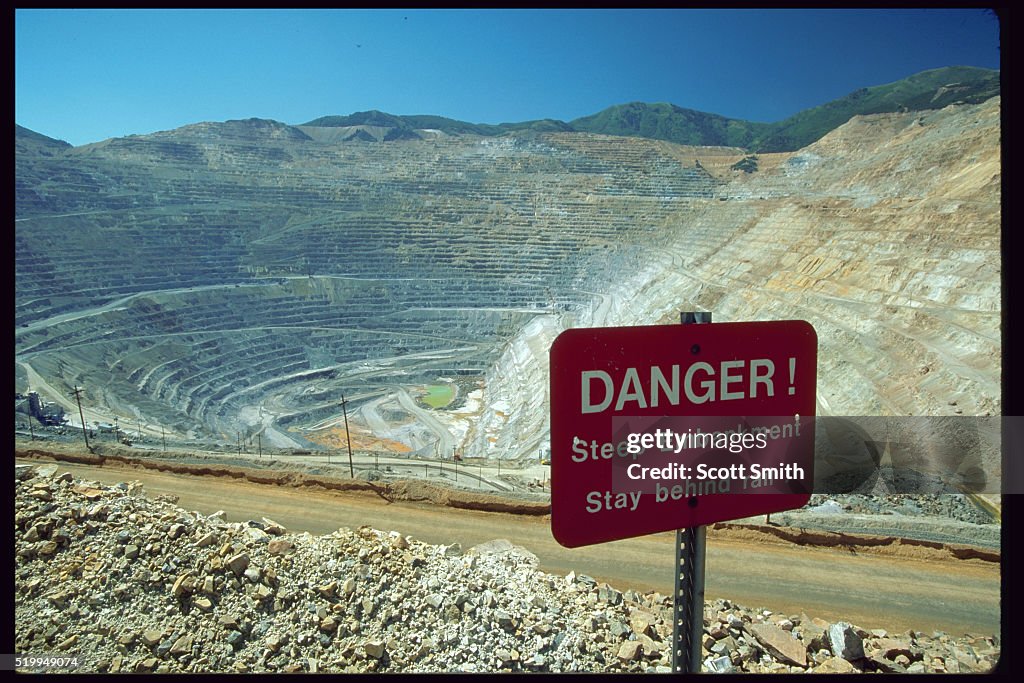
871,590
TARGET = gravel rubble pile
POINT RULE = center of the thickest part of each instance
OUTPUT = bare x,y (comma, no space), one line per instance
131,584
954,506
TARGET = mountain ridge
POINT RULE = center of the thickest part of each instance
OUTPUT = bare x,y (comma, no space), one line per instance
926,90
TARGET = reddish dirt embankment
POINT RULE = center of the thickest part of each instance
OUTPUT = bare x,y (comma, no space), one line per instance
406,490
416,491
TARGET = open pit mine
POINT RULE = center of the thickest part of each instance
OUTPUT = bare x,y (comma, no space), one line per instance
227,282
287,290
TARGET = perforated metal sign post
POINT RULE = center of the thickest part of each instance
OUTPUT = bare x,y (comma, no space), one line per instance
612,388
688,586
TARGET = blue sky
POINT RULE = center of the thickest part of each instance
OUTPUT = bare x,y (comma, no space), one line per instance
87,75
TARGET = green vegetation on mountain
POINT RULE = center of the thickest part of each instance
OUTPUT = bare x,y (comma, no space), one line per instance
747,164
360,118
663,121
927,90
430,122
932,89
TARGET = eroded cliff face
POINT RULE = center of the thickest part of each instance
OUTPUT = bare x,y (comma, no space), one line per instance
884,235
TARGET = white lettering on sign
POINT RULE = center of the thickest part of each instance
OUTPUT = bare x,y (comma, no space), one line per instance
731,380
608,500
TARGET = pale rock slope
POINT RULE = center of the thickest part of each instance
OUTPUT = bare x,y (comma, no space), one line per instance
884,234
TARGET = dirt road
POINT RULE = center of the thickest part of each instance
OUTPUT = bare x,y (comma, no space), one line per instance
870,590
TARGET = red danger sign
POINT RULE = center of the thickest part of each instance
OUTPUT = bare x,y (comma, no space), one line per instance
662,427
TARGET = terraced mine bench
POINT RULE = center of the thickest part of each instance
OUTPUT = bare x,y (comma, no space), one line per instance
190,275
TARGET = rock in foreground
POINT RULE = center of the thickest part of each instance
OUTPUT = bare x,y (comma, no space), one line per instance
131,585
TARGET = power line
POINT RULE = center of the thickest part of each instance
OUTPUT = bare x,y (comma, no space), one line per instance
78,392
348,437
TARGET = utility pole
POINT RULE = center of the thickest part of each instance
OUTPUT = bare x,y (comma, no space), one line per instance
163,438
116,428
85,434
259,443
31,429
348,437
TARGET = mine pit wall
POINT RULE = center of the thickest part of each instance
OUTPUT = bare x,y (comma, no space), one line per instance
898,275
422,243
513,423
884,235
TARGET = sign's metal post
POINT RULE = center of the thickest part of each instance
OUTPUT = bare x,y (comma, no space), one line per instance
688,600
